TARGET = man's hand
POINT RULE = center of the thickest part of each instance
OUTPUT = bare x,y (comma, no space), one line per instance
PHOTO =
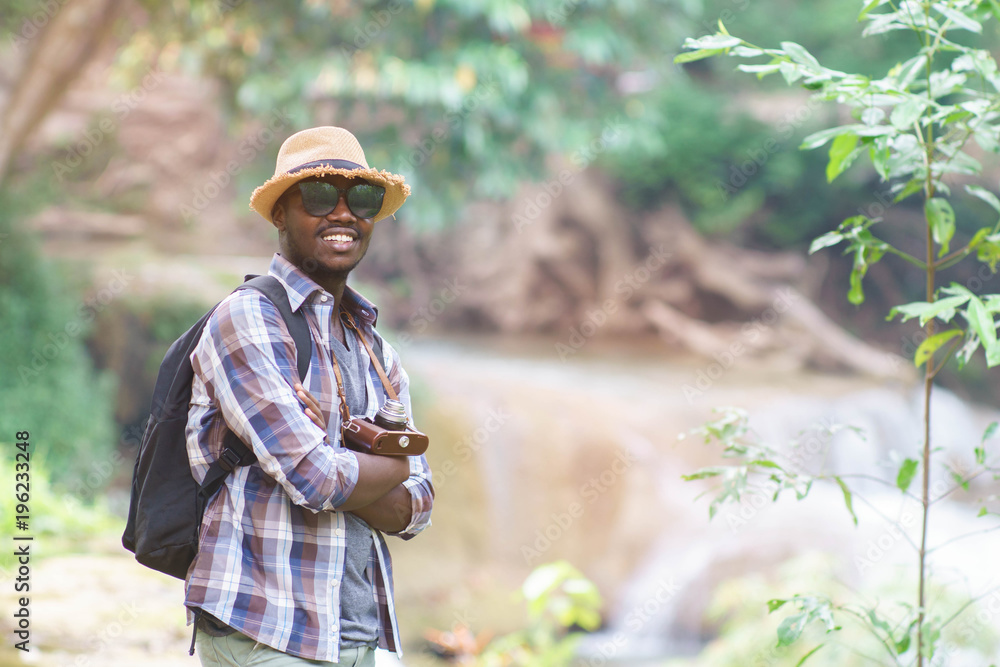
312,409
379,497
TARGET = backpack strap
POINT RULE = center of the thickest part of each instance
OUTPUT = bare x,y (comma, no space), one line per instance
275,292
234,452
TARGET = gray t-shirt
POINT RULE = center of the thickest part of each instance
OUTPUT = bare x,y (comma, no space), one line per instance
358,613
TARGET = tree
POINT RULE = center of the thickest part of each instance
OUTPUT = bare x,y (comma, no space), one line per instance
915,126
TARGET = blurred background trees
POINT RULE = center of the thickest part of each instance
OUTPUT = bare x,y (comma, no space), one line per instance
552,146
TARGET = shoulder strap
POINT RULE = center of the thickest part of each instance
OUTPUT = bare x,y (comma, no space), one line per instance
270,287
234,451
377,344
377,360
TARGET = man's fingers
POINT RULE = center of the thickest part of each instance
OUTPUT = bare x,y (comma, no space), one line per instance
312,408
315,419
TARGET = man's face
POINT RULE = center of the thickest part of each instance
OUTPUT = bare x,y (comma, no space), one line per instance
328,246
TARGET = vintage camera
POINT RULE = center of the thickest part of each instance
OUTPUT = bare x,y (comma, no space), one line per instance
386,435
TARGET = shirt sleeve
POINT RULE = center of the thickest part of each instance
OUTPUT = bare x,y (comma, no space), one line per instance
246,358
419,482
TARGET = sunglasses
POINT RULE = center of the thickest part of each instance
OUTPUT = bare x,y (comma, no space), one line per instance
319,198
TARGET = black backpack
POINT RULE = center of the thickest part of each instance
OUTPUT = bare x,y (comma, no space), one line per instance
167,504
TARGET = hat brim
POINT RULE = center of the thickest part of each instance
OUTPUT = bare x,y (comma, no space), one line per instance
267,195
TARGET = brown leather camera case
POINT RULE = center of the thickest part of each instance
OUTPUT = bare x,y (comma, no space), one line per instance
363,436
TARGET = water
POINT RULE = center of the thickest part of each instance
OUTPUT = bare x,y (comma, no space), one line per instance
642,535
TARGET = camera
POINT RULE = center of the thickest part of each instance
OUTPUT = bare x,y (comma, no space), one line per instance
386,435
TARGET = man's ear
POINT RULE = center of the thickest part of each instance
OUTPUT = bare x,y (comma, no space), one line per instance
278,215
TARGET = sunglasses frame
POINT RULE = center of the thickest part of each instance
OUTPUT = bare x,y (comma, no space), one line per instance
341,193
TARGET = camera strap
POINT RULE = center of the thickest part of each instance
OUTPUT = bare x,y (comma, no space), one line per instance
345,413
349,321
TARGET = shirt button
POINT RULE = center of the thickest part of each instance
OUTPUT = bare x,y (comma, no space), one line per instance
324,298
339,532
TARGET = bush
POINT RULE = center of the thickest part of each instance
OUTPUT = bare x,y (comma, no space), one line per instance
49,386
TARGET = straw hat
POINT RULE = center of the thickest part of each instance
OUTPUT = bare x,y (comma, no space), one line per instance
322,151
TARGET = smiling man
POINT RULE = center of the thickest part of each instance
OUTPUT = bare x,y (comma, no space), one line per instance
293,567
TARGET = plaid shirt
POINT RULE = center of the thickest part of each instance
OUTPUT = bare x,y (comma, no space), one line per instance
271,551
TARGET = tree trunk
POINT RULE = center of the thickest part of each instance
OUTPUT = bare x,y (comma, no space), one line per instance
58,53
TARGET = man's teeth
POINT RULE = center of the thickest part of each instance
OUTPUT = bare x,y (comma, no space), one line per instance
339,238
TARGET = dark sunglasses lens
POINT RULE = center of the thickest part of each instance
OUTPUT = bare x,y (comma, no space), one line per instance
365,199
318,198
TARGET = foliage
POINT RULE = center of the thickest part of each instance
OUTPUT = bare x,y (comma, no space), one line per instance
914,125
465,99
760,469
747,629
559,598
46,370
58,517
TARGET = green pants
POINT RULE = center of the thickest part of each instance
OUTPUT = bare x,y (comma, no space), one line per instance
238,650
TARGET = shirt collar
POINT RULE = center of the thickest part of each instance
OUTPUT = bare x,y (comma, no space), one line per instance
301,287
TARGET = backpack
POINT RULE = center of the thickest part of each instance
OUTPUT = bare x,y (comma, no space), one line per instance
167,504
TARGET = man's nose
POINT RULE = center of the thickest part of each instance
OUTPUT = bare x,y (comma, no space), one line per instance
341,211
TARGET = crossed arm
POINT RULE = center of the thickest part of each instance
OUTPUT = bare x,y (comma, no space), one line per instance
379,497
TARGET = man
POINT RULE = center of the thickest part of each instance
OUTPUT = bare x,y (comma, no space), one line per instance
292,565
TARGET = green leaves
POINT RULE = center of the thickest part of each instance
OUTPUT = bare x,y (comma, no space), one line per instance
941,218
958,18
943,309
906,473
561,591
906,113
981,322
817,139
979,315
798,54
848,498
842,154
691,56
932,344
810,609
706,47
791,629
870,6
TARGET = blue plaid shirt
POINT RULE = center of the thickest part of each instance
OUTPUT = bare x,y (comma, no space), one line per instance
271,549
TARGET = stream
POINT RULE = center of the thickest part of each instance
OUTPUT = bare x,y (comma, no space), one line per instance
538,458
